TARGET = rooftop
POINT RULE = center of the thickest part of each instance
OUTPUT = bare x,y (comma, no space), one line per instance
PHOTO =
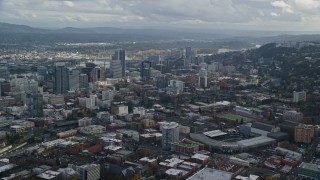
310,166
215,133
211,174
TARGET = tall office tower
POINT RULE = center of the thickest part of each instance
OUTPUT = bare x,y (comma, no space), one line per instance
83,81
145,70
162,81
115,69
170,135
121,55
74,80
203,78
34,103
97,74
188,52
89,172
61,80
42,71
4,72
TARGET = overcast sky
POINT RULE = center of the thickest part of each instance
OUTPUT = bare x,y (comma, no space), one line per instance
301,15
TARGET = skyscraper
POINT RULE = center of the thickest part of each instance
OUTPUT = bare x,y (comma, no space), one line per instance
97,74
61,79
121,55
74,79
203,78
83,81
145,70
4,72
34,103
115,69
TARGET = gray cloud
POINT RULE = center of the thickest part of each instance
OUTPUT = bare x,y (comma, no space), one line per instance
279,14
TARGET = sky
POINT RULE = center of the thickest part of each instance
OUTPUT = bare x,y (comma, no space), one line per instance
280,15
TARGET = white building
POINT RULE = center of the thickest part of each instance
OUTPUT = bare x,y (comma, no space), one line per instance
92,129
170,135
176,86
89,172
17,129
92,101
293,115
203,78
299,96
139,110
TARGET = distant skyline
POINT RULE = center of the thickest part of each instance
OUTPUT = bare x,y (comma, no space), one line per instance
277,15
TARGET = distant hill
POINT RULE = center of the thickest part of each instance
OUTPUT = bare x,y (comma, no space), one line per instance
12,33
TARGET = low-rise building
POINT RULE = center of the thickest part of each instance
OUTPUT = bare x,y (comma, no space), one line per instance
309,171
17,129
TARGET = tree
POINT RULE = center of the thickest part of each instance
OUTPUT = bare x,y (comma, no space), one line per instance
241,121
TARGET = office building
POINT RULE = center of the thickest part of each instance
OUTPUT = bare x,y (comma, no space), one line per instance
83,81
176,87
203,78
61,79
115,69
89,172
4,72
145,70
92,102
42,71
97,74
304,133
121,55
299,96
34,103
162,81
74,79
170,135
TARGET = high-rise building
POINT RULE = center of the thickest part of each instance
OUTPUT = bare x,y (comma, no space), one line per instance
145,70
97,74
74,80
42,71
34,103
170,135
304,133
188,52
89,172
4,72
121,55
83,81
299,96
61,79
162,81
203,78
176,86
115,69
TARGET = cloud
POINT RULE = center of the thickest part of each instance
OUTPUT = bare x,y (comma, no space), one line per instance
209,13
68,3
283,5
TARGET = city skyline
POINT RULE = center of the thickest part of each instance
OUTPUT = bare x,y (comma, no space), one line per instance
280,15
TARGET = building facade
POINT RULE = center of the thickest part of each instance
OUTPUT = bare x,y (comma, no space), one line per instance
304,133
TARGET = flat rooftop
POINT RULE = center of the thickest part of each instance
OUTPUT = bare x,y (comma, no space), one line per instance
211,174
215,133
309,166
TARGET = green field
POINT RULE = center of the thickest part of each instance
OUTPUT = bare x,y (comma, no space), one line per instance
234,117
